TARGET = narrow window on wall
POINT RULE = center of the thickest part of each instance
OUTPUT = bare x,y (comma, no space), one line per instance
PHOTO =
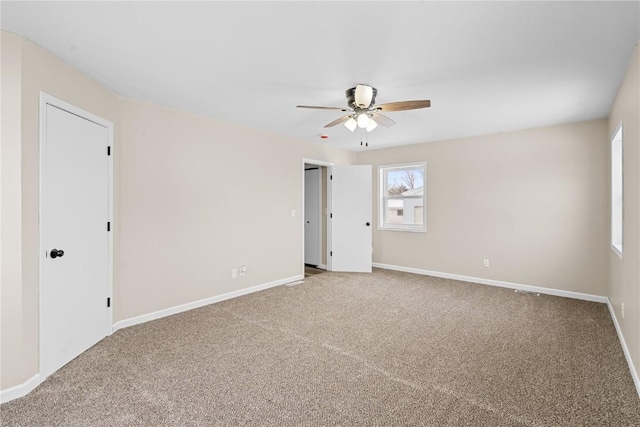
402,197
616,192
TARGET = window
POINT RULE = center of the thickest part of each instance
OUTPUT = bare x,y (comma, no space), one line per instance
616,192
402,197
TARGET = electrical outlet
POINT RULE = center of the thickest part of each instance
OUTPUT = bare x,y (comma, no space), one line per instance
485,263
234,273
623,310
243,270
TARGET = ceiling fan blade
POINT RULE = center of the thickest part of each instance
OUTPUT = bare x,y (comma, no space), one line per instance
338,121
322,108
382,120
403,105
363,96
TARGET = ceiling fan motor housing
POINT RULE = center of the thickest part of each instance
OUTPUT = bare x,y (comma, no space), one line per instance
351,98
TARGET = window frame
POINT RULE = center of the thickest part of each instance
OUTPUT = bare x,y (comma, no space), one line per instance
382,198
617,190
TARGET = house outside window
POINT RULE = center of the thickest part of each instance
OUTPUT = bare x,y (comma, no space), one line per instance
402,197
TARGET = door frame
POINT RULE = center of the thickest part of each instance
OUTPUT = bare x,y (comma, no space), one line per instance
325,233
46,99
319,212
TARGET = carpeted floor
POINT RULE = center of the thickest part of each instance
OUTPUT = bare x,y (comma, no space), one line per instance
390,348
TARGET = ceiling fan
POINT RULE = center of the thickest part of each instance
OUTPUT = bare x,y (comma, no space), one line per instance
363,112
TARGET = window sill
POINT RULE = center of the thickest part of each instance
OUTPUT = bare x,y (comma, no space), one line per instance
409,229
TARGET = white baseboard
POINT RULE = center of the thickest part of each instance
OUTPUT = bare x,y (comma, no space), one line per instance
20,389
322,266
200,303
625,349
499,283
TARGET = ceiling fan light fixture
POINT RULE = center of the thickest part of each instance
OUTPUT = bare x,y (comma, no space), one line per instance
372,125
363,120
363,96
363,112
351,124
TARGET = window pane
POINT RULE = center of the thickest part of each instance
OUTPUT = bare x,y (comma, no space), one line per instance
402,197
394,209
616,191
403,180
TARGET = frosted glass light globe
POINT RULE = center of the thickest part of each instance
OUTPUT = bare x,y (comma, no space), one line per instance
363,120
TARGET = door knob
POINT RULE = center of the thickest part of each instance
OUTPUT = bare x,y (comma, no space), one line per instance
55,253
368,224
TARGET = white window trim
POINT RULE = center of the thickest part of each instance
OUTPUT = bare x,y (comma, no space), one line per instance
617,248
413,228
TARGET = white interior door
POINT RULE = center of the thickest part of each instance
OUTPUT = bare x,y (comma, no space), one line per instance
74,284
351,218
312,218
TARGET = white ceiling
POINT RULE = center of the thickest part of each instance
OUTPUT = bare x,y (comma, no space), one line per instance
486,66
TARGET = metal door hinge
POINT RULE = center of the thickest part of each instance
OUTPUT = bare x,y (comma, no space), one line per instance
108,302
331,177
331,253
108,150
330,215
109,226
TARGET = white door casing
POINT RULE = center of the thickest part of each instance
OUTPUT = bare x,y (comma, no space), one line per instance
312,217
75,208
351,190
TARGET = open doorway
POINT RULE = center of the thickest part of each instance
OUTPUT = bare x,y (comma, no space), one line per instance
345,217
314,217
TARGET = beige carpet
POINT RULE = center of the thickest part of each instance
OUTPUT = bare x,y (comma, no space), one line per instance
389,348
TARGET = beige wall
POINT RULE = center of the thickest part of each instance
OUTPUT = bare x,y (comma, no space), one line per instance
200,197
39,71
625,273
533,202
10,213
